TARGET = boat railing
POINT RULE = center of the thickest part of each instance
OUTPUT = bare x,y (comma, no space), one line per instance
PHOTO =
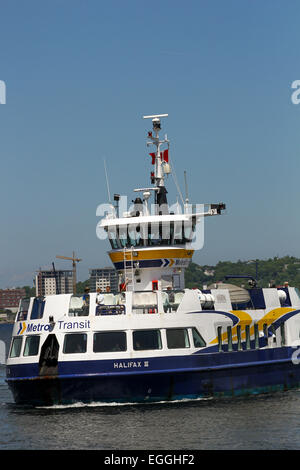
144,302
79,307
110,310
156,301
172,299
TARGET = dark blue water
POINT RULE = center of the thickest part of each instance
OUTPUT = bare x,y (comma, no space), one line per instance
266,422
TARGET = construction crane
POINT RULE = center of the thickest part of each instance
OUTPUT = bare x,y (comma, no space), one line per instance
74,261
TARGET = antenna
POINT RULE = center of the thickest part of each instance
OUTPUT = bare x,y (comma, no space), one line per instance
108,191
155,116
186,189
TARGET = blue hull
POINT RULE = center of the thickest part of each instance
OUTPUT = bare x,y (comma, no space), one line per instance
203,375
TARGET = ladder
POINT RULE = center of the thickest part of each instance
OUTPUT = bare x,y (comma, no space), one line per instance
128,270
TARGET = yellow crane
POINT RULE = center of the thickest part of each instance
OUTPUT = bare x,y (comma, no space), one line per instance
74,261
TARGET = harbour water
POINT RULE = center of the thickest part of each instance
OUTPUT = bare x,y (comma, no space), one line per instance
265,422
268,422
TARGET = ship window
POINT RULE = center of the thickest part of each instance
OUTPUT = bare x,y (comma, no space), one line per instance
23,311
146,339
135,235
229,338
31,346
197,338
75,343
171,232
177,338
189,227
178,233
176,281
239,338
112,236
153,234
109,341
247,329
15,350
37,308
160,233
123,237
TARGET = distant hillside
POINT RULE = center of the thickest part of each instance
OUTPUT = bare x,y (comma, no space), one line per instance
278,270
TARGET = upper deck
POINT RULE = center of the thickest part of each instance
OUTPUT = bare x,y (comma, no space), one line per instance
53,308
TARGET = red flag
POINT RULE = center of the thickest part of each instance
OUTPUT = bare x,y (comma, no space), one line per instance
153,158
166,155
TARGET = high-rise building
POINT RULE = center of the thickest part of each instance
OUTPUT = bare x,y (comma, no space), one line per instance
103,277
53,282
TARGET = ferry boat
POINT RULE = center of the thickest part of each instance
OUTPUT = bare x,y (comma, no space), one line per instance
155,340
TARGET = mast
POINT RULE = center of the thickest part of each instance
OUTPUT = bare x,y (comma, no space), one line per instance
160,160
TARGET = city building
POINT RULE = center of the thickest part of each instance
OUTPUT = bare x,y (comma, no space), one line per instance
10,298
53,282
103,277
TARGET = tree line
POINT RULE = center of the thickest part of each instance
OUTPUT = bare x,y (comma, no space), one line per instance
273,270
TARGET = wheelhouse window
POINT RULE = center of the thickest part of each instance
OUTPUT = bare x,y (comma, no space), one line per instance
177,338
154,238
37,308
178,233
16,346
197,339
23,310
109,341
146,340
123,236
75,343
32,344
135,235
112,236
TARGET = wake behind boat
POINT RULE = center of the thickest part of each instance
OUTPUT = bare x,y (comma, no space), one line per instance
154,339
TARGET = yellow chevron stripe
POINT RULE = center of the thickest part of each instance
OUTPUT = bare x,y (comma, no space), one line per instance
117,256
24,328
272,316
246,319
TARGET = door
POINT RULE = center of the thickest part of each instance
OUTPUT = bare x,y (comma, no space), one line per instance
48,362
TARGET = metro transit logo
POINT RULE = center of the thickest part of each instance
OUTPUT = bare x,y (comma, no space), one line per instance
22,328
48,327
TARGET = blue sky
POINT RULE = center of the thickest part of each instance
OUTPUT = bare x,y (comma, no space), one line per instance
80,74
